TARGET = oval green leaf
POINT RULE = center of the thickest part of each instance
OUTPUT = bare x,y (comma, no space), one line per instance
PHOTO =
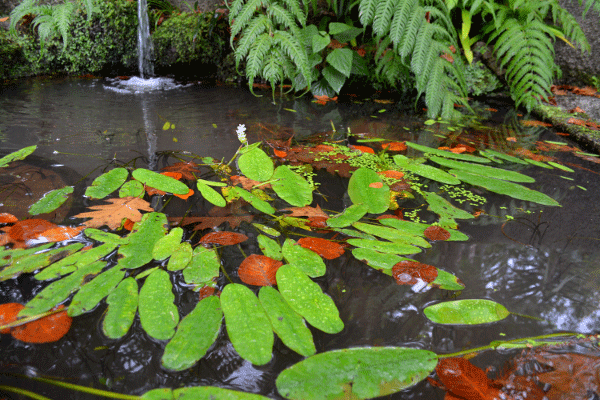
122,306
51,201
288,325
426,171
484,170
132,189
210,392
247,324
362,189
291,187
203,267
256,165
502,156
359,373
159,181
195,334
166,245
158,314
376,259
270,247
16,155
385,247
308,300
107,183
466,312
254,200
93,292
447,281
394,235
210,194
181,257
306,260
348,216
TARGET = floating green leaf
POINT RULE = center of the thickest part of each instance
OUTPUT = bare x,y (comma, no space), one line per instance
9,256
291,187
507,188
132,189
348,216
288,325
256,202
105,237
304,259
466,312
195,334
247,324
447,154
359,373
255,164
51,201
560,166
93,292
484,170
447,281
270,247
376,259
158,314
200,392
308,300
145,234
122,306
538,163
426,171
366,187
159,181
181,257
75,261
32,262
394,235
16,155
445,210
267,229
505,157
385,247
107,183
210,194
203,267
164,247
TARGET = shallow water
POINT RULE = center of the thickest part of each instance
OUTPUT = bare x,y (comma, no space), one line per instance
543,263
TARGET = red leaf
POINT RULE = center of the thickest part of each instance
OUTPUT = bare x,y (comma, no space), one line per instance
394,146
376,185
323,247
279,153
364,149
61,233
224,238
206,291
8,314
6,218
435,232
259,270
465,380
29,229
44,330
411,272
393,174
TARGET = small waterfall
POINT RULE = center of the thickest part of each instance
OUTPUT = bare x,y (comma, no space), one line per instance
144,42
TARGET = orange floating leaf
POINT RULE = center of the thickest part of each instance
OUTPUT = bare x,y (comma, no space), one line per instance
364,149
464,380
185,196
391,173
128,224
60,233
394,146
6,218
223,238
112,214
279,153
29,229
435,232
44,330
376,185
247,183
411,272
173,174
307,211
188,170
534,123
317,222
259,270
206,291
511,139
8,314
323,247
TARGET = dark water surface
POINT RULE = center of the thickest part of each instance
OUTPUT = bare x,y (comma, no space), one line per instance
545,262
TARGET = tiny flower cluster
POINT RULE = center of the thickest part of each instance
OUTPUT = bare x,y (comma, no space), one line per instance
241,134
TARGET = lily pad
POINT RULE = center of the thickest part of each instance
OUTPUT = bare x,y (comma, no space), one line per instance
132,188
466,312
306,260
350,215
166,245
51,201
203,267
181,257
159,181
122,307
270,247
255,164
366,187
291,187
158,313
359,373
254,200
107,183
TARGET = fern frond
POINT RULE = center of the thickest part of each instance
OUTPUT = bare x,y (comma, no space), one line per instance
296,10
273,68
570,26
383,16
256,27
283,17
24,8
241,19
401,18
366,11
292,48
256,56
417,20
62,16
90,8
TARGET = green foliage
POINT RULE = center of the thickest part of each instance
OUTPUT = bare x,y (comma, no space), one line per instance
466,312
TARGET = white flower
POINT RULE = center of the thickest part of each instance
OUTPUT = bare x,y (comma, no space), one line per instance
241,133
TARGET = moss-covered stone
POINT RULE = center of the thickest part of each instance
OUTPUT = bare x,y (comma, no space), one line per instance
559,118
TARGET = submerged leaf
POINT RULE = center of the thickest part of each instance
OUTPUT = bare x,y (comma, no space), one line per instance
113,214
259,270
223,238
44,330
413,272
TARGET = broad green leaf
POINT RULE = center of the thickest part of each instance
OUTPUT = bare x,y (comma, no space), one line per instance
334,78
75,261
447,281
212,183
210,194
341,60
145,234
203,267
359,373
466,312
319,42
291,187
58,291
447,154
32,262
394,235
484,170
107,183
51,201
158,314
9,256
507,188
348,216
426,171
166,245
105,237
376,259
132,189
447,212
412,228
247,324
181,257
344,33
354,233
385,247
93,292
256,165
306,260
270,247
196,332
16,155
159,181
502,156
307,299
362,189
122,307
288,325
210,393
267,229
254,200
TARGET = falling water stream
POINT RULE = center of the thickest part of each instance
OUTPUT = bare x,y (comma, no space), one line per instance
144,42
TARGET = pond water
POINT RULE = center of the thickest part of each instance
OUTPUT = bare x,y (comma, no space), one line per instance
537,261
